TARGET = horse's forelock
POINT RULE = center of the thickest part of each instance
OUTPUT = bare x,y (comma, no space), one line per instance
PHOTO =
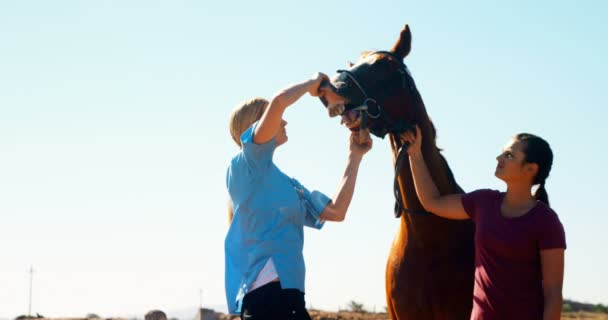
362,57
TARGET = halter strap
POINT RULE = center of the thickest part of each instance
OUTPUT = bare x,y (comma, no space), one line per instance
351,77
368,101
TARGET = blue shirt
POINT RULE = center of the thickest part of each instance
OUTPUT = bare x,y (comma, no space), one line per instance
270,212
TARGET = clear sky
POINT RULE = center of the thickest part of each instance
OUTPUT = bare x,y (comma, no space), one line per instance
114,139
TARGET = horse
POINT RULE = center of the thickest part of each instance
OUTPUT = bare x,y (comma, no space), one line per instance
430,268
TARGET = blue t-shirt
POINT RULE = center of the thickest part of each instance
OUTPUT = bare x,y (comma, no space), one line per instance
270,212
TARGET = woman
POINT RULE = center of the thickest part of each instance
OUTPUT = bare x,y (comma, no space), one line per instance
264,261
520,242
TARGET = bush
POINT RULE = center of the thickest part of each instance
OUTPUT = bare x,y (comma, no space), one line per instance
600,308
354,306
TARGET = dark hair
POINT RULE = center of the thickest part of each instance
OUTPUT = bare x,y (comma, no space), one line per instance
538,151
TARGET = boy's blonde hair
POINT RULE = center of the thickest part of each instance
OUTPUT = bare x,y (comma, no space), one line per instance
244,115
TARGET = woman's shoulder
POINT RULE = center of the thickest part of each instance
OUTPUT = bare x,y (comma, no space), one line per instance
238,171
237,162
479,199
484,194
550,229
547,213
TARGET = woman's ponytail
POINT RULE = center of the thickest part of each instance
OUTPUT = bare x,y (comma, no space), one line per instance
541,194
538,151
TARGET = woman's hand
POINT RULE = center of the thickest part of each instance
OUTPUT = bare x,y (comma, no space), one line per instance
360,143
447,206
415,141
315,83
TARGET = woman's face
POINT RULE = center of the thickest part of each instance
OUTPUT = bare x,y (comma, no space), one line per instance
281,136
511,166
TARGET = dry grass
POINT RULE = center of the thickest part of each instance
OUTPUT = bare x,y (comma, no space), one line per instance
343,315
323,315
585,316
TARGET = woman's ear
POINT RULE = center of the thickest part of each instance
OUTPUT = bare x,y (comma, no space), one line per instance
531,169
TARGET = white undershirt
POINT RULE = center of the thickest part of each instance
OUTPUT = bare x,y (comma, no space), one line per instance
267,274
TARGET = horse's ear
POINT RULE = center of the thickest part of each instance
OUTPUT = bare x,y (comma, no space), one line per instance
404,44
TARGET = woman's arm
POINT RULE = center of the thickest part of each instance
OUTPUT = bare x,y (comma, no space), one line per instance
448,206
552,264
271,119
337,207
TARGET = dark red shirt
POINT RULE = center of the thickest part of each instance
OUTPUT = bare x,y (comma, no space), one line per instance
508,275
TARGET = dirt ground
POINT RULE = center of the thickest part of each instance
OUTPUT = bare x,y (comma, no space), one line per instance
323,315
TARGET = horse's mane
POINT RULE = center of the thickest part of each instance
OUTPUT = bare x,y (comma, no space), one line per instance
362,56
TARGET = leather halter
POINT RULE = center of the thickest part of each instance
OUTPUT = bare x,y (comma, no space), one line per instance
371,108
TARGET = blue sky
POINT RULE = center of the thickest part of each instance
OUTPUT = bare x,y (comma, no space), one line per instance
114,138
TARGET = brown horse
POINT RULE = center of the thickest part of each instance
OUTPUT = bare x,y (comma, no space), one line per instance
429,273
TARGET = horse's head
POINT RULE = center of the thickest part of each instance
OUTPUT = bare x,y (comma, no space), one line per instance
377,92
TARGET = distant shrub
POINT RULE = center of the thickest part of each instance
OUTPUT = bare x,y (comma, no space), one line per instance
575,306
24,317
354,306
600,308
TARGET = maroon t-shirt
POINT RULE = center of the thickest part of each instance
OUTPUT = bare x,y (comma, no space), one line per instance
508,275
